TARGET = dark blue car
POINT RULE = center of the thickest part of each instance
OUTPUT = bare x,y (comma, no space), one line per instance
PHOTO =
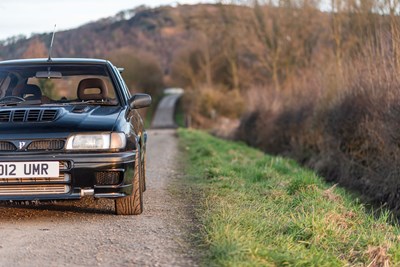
70,128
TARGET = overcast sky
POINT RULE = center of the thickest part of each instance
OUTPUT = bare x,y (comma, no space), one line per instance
37,16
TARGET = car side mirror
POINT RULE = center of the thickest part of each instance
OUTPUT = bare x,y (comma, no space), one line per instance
139,101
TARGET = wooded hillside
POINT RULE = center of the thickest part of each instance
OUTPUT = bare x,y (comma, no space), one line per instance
133,38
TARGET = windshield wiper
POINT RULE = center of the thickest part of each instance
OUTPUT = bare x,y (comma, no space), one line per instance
20,103
91,102
16,101
10,103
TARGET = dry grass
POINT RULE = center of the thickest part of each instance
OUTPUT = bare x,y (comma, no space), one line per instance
347,132
378,257
208,106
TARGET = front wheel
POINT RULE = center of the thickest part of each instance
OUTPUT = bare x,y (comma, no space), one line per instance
133,204
144,172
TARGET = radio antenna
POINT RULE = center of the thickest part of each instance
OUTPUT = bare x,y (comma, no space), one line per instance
51,43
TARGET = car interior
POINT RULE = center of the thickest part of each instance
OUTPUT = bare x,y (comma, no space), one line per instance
70,86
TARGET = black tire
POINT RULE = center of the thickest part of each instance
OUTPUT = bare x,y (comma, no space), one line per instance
133,204
144,172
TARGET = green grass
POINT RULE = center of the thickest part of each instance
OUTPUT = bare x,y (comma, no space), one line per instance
180,115
260,210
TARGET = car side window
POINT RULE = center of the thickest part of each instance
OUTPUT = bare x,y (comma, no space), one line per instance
122,81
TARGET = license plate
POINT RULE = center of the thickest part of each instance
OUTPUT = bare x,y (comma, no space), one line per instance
35,169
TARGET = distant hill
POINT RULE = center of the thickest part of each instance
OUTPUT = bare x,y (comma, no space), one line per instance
159,32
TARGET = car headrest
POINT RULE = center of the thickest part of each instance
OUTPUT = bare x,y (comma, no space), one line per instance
30,91
92,89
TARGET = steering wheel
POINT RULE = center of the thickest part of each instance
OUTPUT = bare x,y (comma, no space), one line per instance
12,97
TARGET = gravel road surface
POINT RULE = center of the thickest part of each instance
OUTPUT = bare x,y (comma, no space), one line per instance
86,233
164,117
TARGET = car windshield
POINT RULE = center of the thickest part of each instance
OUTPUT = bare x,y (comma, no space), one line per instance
56,85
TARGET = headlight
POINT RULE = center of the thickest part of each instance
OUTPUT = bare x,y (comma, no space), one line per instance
96,141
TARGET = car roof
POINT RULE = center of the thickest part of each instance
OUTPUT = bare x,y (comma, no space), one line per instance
54,61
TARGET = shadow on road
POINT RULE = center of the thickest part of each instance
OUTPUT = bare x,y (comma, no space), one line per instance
11,211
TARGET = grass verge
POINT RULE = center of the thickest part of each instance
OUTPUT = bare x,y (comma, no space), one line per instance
180,114
260,210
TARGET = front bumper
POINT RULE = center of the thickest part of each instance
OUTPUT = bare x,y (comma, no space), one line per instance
81,169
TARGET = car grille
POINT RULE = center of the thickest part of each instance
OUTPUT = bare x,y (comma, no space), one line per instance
63,177
28,115
34,189
46,145
38,145
7,146
64,165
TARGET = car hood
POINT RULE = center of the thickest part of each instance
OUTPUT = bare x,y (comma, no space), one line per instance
66,120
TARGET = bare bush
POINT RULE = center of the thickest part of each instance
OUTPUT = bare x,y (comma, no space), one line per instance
347,131
207,105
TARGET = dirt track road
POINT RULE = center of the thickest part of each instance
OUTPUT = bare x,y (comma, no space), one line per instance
76,234
164,117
